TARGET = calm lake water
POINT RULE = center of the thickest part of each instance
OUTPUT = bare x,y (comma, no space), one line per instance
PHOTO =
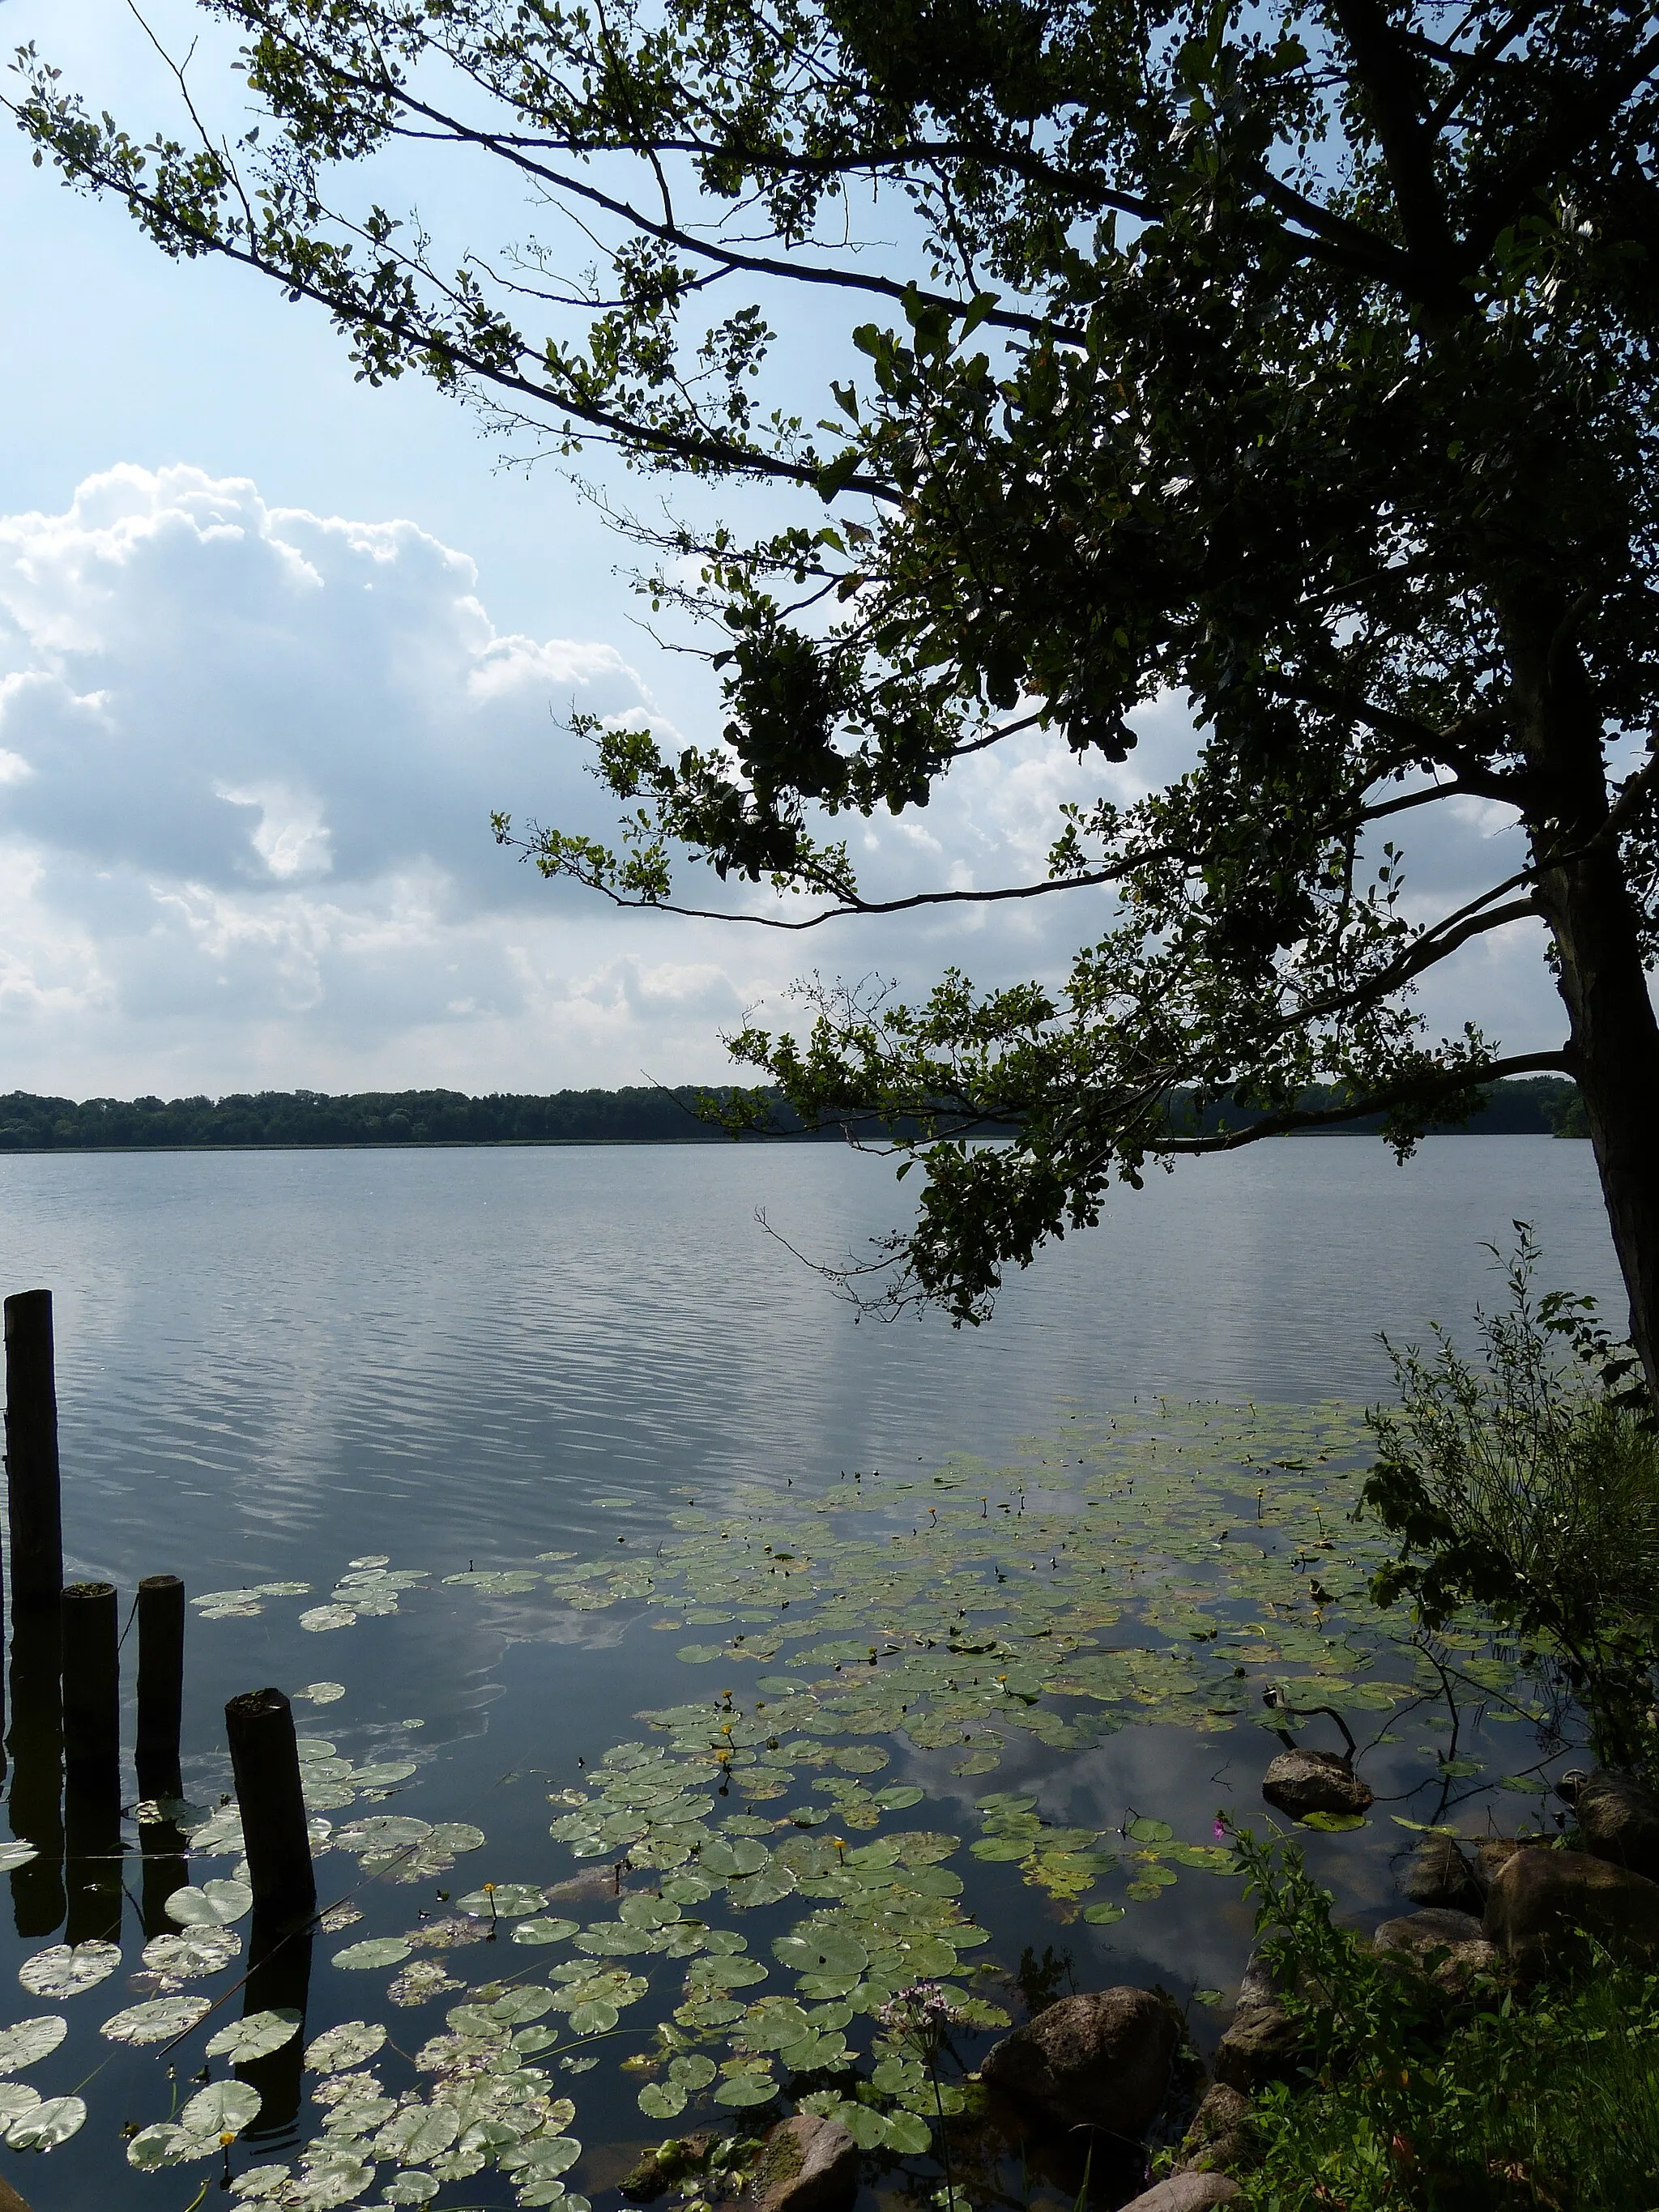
271,1364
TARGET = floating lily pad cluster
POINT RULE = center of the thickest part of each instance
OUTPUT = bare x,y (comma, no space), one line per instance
1165,1567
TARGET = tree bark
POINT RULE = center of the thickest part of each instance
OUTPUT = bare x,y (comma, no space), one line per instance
1592,915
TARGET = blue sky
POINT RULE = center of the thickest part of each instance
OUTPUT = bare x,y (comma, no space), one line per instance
273,644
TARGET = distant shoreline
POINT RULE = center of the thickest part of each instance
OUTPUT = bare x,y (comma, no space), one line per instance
313,1120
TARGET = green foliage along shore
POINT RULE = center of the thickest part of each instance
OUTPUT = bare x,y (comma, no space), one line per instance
644,1114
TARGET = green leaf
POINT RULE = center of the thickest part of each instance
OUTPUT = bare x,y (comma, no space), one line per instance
254,2036
157,2021
544,1930
48,2123
223,2108
61,1971
28,2040
349,2045
377,1951
741,2090
215,1904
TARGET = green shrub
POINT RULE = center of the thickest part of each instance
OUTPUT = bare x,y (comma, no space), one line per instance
1529,1483
1548,2098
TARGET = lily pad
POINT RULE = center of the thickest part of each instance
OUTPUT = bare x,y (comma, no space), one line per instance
28,2040
223,2108
504,1901
48,2123
158,2021
742,2090
418,2133
350,2044
165,2144
215,1904
542,1930
62,1971
254,2036
378,1951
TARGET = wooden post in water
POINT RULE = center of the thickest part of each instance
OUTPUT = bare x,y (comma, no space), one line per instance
37,1529
160,1684
92,1682
264,1760
92,1761
161,1700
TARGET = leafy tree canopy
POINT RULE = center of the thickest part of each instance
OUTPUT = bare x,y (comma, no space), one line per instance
1294,362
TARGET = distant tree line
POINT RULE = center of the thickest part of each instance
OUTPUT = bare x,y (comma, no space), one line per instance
1535,1106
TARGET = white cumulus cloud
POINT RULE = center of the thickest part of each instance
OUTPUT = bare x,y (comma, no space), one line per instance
248,755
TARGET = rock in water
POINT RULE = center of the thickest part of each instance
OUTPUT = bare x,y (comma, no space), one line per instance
1619,1823
1263,2044
1099,2060
1462,1949
808,2164
1540,1899
1439,1874
1186,2192
1302,1782
1422,1931
1221,2135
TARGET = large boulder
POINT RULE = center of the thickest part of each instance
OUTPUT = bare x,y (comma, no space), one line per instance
807,2164
1099,2060
1619,1822
1302,1782
1540,1899
1440,1876
1221,2135
1186,2192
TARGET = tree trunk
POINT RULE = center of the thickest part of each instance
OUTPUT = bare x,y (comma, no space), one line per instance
1615,1054
1585,898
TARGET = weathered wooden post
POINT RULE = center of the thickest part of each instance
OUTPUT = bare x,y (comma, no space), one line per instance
160,1701
31,1495
36,1740
160,1684
91,1761
264,1760
92,1681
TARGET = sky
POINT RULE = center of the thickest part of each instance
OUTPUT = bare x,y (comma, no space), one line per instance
273,645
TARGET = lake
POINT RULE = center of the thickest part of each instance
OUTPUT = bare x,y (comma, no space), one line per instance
273,1364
